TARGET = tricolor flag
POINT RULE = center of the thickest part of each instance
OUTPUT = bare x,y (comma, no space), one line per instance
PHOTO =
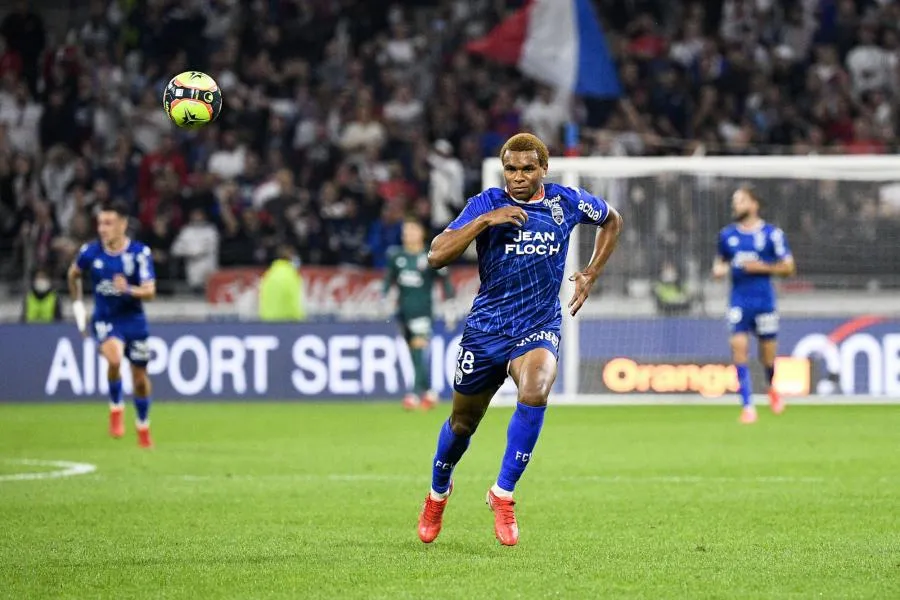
556,42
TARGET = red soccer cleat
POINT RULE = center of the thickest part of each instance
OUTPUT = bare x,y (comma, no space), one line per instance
429,400
748,415
432,517
144,439
505,526
117,421
410,402
775,402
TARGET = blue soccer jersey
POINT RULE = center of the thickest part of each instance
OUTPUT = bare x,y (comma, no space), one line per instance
522,268
116,314
752,303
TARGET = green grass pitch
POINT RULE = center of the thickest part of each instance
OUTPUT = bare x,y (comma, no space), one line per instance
320,501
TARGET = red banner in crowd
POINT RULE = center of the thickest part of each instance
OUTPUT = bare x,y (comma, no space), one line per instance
335,291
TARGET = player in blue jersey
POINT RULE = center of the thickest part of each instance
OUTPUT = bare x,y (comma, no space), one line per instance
521,234
752,251
122,273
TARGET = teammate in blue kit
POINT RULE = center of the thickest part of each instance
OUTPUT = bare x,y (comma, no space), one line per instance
522,236
752,251
122,273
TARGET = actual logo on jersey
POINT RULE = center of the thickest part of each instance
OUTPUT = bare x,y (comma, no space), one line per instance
98,264
590,210
556,210
422,262
401,262
732,241
128,264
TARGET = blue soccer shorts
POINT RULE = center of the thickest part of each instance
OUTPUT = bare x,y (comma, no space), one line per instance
132,332
762,322
482,361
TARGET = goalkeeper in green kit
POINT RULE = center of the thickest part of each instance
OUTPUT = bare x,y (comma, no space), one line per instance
408,269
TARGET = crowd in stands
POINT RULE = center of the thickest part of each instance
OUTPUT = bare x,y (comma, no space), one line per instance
343,116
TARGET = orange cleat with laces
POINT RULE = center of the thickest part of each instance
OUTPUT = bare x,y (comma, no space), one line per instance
432,516
117,421
505,526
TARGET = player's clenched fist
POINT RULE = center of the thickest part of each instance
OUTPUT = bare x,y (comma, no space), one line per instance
506,214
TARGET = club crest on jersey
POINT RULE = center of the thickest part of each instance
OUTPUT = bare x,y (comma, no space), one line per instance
556,210
128,264
759,241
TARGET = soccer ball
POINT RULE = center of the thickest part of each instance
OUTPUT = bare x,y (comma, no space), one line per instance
192,99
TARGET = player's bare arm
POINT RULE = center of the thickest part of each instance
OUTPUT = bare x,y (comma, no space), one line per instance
76,293
605,243
782,268
720,268
451,243
145,291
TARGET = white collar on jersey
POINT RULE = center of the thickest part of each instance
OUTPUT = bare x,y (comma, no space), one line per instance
125,245
536,198
759,227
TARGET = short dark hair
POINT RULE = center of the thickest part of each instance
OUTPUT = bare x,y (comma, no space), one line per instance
117,206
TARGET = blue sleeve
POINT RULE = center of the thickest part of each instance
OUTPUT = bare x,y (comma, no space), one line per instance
84,258
593,210
145,270
476,206
780,244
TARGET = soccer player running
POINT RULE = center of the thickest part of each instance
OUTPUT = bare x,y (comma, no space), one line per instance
522,236
408,270
122,272
752,251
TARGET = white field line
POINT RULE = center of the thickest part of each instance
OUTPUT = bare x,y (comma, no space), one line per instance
63,469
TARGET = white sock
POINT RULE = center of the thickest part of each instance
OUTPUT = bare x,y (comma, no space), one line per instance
500,492
440,496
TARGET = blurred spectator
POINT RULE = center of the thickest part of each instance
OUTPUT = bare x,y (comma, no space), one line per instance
446,185
281,289
228,161
198,244
24,32
22,117
41,303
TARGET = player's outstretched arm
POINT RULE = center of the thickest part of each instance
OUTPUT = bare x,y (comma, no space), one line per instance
605,242
451,243
76,293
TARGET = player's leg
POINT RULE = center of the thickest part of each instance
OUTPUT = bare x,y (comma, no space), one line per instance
419,337
534,373
113,349
768,351
480,371
453,441
138,353
410,399
742,323
740,344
